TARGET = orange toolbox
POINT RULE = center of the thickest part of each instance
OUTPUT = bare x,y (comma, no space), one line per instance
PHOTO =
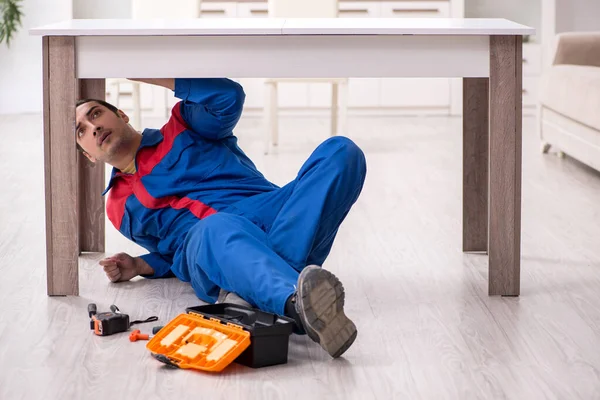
210,337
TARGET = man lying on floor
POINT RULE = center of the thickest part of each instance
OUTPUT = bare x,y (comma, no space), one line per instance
190,196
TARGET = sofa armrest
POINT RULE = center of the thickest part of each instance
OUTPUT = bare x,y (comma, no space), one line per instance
578,48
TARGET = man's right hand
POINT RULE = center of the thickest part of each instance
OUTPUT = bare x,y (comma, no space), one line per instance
122,267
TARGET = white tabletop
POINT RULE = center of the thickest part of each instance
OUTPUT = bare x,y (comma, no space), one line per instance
404,26
288,26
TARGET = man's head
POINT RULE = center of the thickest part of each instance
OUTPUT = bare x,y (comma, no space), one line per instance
103,132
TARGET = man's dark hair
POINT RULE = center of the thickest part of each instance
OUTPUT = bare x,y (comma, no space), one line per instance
102,103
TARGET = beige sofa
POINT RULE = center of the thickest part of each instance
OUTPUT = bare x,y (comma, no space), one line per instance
570,98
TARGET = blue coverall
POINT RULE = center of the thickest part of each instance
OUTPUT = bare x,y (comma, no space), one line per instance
205,213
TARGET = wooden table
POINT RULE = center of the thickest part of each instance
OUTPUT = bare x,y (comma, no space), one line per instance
79,54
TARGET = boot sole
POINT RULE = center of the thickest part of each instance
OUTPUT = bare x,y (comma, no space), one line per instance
321,308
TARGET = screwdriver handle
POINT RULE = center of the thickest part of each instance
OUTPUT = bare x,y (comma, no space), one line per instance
91,309
155,329
137,335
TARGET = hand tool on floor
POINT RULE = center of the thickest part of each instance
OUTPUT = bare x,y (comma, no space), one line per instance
109,323
155,329
138,335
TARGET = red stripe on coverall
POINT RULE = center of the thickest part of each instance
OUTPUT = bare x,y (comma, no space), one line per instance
147,159
196,207
115,204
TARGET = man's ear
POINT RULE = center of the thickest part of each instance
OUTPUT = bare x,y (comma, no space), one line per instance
89,157
123,116
85,153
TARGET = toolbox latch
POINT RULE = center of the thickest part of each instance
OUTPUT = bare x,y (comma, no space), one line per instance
235,326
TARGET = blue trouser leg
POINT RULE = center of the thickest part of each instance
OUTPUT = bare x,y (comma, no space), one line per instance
232,253
229,251
325,189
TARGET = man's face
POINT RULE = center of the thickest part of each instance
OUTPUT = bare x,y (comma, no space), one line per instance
101,133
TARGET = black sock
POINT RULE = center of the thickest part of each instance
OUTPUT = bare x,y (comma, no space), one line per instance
290,311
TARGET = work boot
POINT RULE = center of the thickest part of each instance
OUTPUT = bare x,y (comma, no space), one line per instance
319,304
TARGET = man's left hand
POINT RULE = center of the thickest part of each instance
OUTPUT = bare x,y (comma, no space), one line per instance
120,267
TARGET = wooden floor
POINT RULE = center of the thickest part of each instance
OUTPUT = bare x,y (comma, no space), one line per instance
427,328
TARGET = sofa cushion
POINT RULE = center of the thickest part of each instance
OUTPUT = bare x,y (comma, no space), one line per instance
573,91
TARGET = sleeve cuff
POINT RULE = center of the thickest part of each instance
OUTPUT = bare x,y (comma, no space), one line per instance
161,266
182,88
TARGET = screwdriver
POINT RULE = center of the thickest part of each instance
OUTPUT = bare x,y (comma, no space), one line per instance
138,335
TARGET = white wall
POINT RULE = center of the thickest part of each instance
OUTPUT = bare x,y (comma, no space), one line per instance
526,12
21,63
94,9
577,15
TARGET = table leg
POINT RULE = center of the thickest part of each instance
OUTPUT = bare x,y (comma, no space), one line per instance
475,164
91,183
334,110
60,165
505,164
